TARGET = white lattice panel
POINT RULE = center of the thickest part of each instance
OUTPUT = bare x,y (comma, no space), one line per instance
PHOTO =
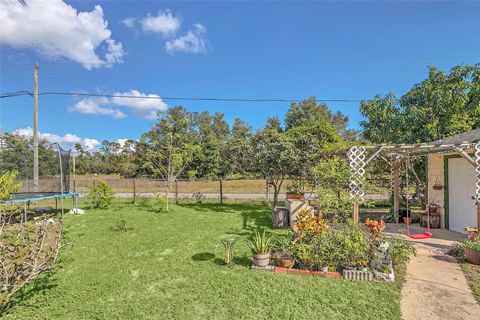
356,157
477,168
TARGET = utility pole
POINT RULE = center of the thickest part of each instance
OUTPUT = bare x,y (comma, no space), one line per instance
35,128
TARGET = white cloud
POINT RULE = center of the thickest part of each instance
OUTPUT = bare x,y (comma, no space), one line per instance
90,144
143,105
147,107
129,22
192,42
67,141
165,23
97,106
55,29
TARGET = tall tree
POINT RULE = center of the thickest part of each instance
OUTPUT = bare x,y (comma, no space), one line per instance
169,147
273,154
439,106
309,111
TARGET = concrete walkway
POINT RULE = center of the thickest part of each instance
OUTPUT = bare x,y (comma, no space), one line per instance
435,286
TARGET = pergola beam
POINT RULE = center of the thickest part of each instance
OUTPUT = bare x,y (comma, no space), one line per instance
358,163
466,156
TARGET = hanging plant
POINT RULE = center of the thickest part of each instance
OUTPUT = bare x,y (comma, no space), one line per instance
437,185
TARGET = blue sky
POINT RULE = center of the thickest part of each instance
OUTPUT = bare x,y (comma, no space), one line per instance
332,50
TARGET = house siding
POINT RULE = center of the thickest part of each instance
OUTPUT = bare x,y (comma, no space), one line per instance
436,175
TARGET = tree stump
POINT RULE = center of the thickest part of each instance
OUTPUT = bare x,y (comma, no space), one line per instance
280,217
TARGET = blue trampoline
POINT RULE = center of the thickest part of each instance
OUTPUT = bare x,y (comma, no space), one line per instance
57,184
21,197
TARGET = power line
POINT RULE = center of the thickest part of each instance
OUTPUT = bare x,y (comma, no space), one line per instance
259,61
152,97
15,94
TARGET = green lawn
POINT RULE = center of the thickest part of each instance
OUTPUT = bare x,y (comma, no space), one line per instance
168,266
472,273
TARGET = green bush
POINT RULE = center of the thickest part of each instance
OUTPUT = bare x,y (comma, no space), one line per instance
7,184
457,249
100,195
338,247
345,246
401,252
160,204
472,244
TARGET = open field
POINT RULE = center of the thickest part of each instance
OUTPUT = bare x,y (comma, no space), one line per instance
169,266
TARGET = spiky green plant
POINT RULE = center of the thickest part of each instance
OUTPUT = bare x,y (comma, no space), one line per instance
228,244
260,243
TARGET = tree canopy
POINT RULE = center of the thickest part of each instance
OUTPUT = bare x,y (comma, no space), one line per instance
441,105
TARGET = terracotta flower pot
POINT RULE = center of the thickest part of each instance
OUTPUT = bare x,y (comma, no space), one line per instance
285,263
296,196
261,259
472,255
407,220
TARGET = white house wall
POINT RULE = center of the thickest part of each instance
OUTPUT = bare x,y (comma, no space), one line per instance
436,174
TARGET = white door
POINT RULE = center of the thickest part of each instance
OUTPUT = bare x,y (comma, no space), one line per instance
461,187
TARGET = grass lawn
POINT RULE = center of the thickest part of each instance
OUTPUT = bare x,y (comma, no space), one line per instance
168,266
472,273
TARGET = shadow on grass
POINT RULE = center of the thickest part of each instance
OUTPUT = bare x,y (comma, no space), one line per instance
204,256
39,286
242,261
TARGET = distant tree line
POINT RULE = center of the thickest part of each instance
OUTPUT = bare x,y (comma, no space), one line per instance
310,142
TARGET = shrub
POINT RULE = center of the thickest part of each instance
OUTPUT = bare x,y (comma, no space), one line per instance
472,244
310,225
160,204
339,247
375,229
7,184
346,245
121,226
100,195
401,252
199,197
283,248
26,251
304,254
457,249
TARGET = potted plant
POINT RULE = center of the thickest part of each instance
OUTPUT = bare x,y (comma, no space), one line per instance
407,220
294,191
260,245
282,253
304,254
472,232
472,251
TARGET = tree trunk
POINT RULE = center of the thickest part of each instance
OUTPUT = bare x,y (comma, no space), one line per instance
276,191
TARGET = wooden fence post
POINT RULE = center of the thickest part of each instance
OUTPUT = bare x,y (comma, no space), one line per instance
355,211
134,191
221,191
176,191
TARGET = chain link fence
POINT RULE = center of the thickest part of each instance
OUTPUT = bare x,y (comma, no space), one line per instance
220,190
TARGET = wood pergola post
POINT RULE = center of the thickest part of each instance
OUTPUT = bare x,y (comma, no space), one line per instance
396,190
356,211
